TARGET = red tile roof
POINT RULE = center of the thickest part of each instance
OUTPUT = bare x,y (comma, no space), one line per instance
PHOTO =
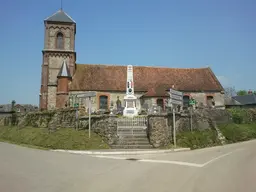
152,79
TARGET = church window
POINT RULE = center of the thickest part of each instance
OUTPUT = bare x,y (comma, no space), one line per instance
160,103
186,101
210,101
60,41
103,102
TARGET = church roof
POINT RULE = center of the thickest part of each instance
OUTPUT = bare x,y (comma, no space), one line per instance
64,70
113,78
60,16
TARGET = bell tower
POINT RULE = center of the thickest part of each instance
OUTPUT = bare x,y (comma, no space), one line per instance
59,45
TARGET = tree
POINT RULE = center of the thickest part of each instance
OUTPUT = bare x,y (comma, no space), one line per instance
242,92
230,92
13,105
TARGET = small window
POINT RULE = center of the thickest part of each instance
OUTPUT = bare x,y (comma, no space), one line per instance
210,101
60,41
103,102
185,101
160,103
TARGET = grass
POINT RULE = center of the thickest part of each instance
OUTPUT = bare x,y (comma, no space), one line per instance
238,132
64,138
233,133
198,139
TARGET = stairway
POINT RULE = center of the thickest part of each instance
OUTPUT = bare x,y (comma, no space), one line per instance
132,139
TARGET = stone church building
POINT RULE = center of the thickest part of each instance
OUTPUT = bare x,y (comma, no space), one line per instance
62,78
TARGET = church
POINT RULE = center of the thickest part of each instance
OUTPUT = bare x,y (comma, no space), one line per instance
62,78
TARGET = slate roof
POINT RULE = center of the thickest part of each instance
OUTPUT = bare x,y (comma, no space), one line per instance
113,78
64,70
6,108
246,99
231,101
60,16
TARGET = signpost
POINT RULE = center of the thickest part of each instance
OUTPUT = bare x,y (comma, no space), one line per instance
88,95
176,98
192,102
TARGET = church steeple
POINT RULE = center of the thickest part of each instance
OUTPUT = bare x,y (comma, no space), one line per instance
59,45
60,16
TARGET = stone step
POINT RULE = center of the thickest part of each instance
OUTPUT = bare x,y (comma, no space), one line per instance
132,135
144,136
132,131
134,138
133,142
148,146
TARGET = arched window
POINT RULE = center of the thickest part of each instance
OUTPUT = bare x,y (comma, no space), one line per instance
60,41
103,102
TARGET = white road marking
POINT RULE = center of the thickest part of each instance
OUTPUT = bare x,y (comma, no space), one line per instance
169,162
152,161
109,157
219,157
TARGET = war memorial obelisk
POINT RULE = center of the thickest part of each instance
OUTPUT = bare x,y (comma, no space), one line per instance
130,99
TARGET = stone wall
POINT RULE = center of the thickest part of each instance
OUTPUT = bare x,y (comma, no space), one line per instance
160,127
103,125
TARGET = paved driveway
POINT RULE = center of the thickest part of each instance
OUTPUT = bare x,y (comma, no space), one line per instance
221,169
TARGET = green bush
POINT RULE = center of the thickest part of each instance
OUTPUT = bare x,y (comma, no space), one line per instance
243,115
64,138
238,115
197,139
238,132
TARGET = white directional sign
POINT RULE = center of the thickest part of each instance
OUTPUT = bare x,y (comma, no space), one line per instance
176,102
176,97
87,94
174,92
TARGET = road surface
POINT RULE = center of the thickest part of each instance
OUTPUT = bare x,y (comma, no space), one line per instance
219,169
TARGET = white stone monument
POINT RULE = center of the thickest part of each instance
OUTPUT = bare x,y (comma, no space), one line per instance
130,109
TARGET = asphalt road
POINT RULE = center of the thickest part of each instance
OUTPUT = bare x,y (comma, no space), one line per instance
221,169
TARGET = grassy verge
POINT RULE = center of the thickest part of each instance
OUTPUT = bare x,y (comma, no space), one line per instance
197,139
238,132
233,133
64,138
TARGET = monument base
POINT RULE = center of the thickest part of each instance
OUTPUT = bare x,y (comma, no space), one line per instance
130,112
130,109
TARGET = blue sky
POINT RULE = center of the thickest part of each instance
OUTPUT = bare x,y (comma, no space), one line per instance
174,33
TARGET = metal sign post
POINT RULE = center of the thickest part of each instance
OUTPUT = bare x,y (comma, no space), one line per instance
191,103
191,126
89,105
174,126
176,98
88,95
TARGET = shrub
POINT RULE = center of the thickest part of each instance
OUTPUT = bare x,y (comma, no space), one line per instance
241,115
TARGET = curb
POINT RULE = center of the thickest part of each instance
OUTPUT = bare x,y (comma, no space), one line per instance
122,152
